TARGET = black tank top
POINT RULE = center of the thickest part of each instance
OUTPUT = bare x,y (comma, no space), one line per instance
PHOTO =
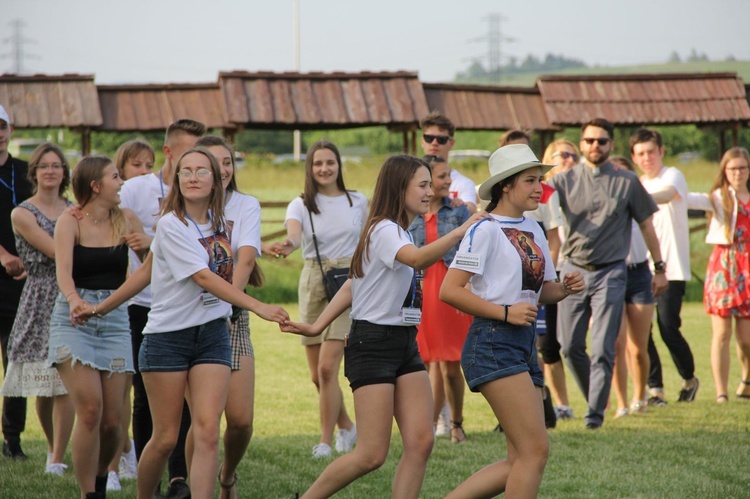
100,268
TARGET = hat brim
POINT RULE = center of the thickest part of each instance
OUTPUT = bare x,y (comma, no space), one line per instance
485,190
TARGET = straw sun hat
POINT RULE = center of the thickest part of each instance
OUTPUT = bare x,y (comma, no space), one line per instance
508,161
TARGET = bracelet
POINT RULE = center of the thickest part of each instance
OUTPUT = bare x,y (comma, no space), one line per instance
506,313
71,293
96,314
565,289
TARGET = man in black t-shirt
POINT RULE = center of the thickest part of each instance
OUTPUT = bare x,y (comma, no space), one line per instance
14,189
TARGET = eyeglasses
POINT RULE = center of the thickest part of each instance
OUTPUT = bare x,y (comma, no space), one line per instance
188,174
54,166
442,139
565,155
601,142
739,169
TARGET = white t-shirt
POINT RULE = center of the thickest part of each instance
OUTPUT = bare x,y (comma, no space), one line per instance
242,212
513,260
379,296
179,253
638,249
143,195
462,188
671,223
337,227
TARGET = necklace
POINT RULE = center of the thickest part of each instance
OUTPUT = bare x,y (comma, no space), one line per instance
96,220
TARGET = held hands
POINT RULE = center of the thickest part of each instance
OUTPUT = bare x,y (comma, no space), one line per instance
272,313
12,264
80,311
520,314
573,283
299,328
279,249
659,283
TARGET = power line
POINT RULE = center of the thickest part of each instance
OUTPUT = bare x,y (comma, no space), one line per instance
17,42
495,41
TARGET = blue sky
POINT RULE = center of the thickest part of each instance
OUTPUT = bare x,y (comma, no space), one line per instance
140,41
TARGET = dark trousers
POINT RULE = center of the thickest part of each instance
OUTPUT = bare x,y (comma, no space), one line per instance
668,308
14,408
142,424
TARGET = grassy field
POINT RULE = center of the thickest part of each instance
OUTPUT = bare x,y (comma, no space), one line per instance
681,450
283,182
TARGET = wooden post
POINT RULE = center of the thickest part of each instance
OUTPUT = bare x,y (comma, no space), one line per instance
414,142
229,134
405,135
735,135
722,143
85,141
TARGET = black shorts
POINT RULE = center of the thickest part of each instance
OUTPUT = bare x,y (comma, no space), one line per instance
376,354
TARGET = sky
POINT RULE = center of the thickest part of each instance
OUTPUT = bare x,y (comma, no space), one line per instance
174,41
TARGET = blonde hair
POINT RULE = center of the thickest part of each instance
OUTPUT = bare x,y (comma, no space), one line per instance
721,184
552,149
89,170
131,149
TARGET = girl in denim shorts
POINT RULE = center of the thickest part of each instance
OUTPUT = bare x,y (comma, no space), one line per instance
381,357
186,340
507,261
93,358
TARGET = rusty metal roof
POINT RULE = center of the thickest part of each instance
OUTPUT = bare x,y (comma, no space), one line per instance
322,100
46,101
481,107
668,99
155,107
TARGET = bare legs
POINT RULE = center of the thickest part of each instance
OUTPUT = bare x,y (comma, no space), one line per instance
324,361
239,417
124,425
410,402
97,399
632,353
518,407
56,415
722,335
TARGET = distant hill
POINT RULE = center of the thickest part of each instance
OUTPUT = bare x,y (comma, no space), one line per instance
742,68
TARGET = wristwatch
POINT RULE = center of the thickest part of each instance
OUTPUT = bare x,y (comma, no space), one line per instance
660,267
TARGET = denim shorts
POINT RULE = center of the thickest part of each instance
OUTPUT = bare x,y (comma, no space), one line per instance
496,349
638,288
376,354
102,344
180,350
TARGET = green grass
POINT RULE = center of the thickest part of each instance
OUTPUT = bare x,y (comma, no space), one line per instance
682,450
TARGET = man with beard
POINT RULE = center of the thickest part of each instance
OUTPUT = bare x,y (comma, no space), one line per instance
599,204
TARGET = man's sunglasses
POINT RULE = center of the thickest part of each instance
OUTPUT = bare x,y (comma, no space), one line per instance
601,142
442,139
565,155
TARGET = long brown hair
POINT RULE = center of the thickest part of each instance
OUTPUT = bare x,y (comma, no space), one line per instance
91,170
175,201
311,186
388,203
721,184
36,157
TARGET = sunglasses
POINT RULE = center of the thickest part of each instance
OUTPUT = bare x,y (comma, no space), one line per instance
565,155
441,139
601,142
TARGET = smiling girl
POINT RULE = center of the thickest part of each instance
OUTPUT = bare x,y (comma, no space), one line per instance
381,359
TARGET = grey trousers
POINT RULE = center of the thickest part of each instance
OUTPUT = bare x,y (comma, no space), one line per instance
601,302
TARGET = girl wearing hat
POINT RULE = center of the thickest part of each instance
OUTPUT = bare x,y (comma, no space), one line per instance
381,358
507,261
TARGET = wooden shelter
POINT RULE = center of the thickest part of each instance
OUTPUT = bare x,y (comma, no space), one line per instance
47,101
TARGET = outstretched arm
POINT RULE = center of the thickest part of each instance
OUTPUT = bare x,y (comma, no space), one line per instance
338,305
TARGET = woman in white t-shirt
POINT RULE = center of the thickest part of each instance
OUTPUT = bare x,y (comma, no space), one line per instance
331,214
381,358
507,261
186,341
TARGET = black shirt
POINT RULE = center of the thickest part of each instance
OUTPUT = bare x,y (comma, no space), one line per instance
14,174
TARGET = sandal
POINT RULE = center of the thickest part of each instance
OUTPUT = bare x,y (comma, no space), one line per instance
741,394
458,435
722,399
228,490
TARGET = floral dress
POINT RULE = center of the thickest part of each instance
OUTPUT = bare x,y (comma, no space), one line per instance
27,374
726,292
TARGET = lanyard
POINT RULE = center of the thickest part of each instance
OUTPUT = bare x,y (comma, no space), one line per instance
12,186
474,228
211,258
161,184
413,277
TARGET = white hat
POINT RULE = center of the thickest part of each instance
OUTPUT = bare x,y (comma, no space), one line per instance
507,161
4,115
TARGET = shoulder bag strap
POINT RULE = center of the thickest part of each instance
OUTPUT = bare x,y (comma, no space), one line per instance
315,243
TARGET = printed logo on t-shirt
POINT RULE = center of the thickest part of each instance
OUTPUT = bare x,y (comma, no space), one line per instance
219,251
532,258
417,303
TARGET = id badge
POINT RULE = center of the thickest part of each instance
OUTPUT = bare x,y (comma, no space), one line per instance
209,300
471,262
411,316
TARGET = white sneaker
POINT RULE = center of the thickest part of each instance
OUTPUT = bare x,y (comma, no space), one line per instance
55,468
49,459
444,422
128,465
113,481
345,439
321,451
